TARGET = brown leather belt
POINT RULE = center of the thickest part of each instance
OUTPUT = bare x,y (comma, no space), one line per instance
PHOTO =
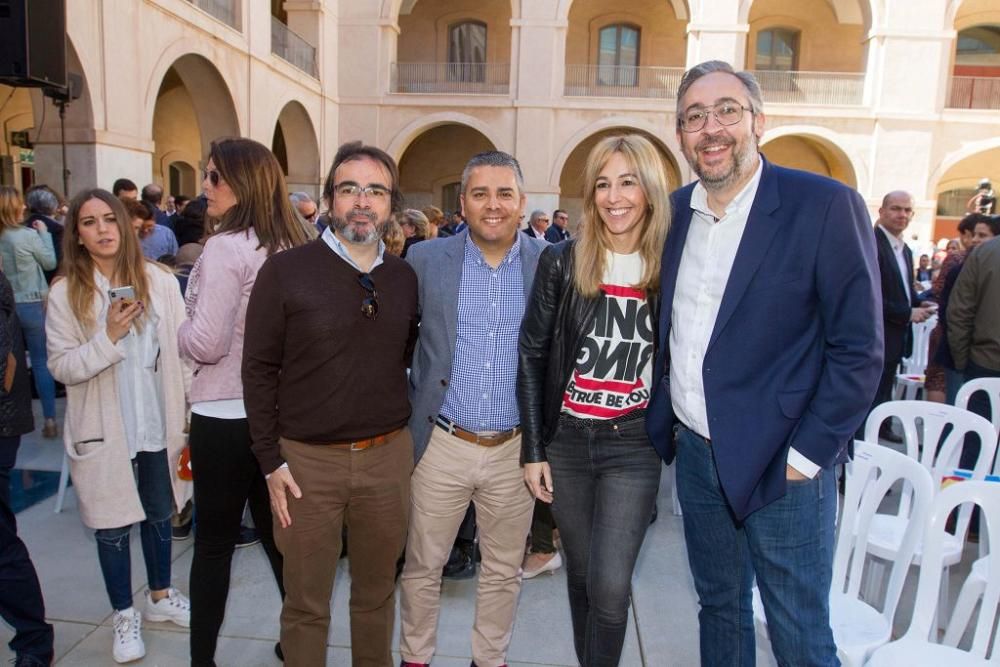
483,440
358,445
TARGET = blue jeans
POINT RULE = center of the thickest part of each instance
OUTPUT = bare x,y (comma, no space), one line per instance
157,497
605,476
788,543
32,316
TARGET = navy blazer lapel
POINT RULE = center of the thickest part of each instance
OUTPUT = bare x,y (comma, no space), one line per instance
671,262
758,235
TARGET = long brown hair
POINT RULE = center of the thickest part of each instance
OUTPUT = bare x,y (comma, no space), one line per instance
253,174
592,241
11,209
78,266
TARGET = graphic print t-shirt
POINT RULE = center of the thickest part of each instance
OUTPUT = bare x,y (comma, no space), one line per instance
614,366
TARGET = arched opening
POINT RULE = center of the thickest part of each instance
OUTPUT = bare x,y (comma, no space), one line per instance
635,50
975,82
813,154
193,108
571,177
959,184
808,51
432,164
17,155
453,46
182,179
297,149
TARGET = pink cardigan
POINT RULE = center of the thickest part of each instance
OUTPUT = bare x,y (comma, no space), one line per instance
217,295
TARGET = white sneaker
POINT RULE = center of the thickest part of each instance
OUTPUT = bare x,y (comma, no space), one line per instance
174,608
128,644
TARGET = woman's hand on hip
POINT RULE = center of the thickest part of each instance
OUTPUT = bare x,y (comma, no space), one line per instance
538,477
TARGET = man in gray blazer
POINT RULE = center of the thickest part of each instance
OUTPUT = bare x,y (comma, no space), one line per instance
465,422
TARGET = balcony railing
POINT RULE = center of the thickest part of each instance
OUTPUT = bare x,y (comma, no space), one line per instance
224,10
622,81
451,78
290,47
974,92
824,88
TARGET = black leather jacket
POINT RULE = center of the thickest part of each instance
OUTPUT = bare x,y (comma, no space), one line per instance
555,322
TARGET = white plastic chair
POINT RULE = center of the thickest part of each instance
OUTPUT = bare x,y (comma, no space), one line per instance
975,583
859,628
918,647
911,378
923,423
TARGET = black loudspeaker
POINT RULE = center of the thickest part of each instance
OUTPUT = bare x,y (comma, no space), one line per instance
33,42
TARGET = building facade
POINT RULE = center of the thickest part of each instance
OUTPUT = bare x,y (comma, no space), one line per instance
880,94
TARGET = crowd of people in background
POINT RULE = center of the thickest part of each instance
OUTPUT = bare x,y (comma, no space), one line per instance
251,347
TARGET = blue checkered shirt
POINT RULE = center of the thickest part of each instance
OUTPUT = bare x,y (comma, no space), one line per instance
481,393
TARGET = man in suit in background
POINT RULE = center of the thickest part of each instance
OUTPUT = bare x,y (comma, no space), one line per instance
538,224
769,355
558,230
473,288
900,305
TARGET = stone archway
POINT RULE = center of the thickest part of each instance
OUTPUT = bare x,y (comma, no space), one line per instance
433,163
297,149
193,107
811,153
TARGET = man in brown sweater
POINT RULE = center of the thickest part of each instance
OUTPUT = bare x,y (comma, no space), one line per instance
330,330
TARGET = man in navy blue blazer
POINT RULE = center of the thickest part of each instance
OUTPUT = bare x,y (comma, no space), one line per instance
770,349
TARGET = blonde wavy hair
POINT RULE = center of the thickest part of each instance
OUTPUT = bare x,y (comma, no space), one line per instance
593,241
78,266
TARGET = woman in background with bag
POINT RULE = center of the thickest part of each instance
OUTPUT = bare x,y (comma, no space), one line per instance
112,340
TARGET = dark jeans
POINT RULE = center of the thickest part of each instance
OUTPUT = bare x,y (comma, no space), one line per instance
226,477
605,476
788,544
542,525
21,603
32,316
152,478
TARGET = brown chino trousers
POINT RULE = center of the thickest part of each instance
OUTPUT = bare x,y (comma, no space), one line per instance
450,474
370,490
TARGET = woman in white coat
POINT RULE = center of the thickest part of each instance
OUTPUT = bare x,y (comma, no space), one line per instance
125,411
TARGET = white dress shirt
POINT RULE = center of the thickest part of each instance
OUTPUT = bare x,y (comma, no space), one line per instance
707,260
905,270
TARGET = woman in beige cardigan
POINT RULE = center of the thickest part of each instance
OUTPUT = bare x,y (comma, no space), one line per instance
125,412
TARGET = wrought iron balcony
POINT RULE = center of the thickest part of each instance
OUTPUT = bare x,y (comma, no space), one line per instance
451,78
622,81
224,10
290,47
821,88
974,92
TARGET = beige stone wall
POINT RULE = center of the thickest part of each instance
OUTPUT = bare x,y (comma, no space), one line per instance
423,33
662,37
825,45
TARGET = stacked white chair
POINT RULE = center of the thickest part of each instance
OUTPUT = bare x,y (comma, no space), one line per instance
858,627
918,647
923,425
911,378
975,583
